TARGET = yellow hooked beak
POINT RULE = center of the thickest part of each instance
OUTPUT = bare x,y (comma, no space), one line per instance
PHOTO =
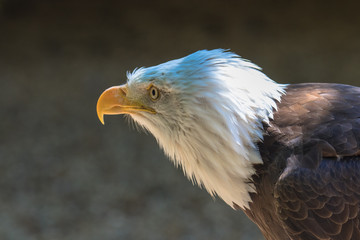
114,101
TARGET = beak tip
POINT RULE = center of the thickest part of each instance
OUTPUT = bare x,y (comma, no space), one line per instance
101,118
100,115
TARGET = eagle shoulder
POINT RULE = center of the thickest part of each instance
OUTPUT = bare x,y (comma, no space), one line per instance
324,117
311,153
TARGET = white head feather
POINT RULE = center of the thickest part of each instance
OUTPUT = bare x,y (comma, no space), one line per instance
209,117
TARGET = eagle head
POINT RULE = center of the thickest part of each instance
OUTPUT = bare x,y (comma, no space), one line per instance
206,111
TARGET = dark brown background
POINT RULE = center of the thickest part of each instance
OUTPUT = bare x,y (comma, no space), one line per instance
65,176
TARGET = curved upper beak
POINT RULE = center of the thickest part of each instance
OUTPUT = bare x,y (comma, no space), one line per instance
114,101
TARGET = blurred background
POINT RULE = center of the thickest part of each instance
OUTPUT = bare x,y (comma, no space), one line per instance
65,176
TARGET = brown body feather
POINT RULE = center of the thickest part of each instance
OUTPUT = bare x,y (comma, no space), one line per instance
309,184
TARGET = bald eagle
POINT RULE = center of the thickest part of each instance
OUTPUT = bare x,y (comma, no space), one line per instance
287,155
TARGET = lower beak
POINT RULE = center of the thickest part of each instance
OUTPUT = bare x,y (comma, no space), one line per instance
114,101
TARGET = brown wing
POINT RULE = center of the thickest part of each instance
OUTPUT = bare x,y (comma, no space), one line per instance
321,203
318,193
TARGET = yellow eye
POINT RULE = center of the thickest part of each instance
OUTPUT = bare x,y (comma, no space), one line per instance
154,93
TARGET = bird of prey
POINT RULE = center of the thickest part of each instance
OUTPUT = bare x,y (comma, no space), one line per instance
288,155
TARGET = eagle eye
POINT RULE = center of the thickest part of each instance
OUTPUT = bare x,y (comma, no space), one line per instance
154,93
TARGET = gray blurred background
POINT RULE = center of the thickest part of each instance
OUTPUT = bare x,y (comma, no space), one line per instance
65,176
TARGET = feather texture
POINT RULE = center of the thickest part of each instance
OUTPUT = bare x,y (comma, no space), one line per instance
309,181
